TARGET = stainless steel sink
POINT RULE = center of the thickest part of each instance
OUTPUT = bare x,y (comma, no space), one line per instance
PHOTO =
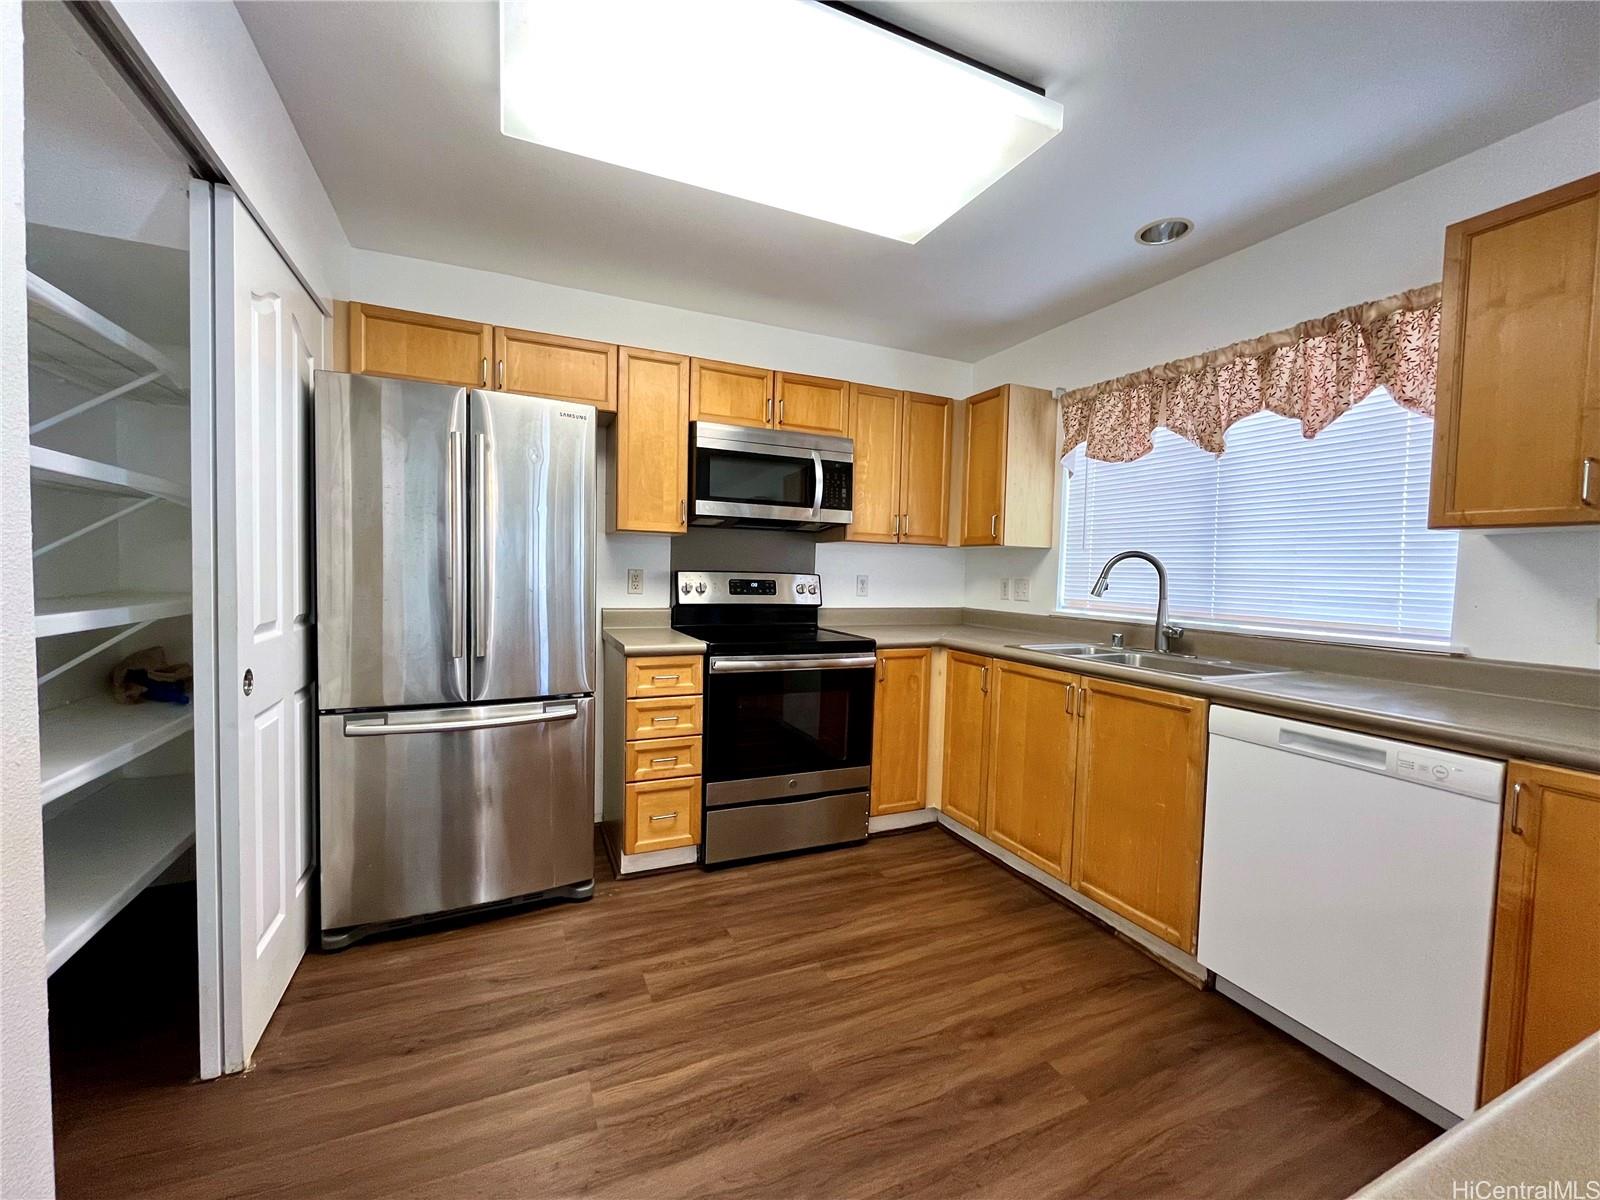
1148,660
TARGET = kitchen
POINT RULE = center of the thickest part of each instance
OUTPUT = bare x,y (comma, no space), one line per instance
1066,792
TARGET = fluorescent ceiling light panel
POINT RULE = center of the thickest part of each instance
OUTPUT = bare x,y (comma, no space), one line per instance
784,102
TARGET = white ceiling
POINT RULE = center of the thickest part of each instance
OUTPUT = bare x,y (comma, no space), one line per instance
1249,118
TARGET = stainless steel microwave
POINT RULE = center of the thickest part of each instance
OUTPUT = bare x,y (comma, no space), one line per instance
769,478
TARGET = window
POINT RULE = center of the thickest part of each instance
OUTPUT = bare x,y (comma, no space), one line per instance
1279,534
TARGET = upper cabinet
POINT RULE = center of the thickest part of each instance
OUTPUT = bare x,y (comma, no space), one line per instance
1008,471
1544,980
651,443
542,364
902,466
1517,435
409,345
809,404
729,393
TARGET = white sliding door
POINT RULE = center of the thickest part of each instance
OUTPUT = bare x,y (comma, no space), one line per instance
268,339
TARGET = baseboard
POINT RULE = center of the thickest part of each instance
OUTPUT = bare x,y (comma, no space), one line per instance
1169,956
891,822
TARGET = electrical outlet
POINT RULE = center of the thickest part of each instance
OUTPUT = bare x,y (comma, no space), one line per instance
635,581
1005,589
861,585
1019,589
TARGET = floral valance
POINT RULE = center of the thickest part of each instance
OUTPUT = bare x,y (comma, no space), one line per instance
1313,372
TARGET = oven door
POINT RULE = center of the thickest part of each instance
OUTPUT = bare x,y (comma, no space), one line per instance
787,726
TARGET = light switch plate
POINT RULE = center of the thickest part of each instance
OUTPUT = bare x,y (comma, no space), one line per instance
1019,589
1005,589
861,585
635,581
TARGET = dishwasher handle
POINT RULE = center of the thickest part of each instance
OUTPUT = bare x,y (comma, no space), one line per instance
1333,748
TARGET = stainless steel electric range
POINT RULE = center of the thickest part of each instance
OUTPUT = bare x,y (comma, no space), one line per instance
788,722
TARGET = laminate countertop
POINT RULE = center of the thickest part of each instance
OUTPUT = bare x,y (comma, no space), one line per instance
1471,721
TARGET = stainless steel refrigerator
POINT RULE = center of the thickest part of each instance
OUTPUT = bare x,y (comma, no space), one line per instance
455,650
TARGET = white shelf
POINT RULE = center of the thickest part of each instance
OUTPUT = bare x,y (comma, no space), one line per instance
59,469
101,610
103,852
93,350
80,742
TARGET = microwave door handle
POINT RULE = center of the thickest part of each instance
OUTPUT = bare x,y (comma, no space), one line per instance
816,460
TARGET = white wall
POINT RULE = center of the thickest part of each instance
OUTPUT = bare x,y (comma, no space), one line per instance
897,574
206,60
26,1158
1528,596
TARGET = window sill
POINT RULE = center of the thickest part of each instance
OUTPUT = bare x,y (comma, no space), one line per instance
1369,639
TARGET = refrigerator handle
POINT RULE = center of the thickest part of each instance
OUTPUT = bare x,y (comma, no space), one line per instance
434,722
480,546
458,550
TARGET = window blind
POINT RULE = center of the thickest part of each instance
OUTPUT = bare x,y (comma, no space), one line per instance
1279,533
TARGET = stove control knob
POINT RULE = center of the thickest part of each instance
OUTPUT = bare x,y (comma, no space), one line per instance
686,589
812,588
799,589
700,589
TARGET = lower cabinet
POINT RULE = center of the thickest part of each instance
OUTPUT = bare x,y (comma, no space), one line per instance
900,731
1032,751
662,815
966,737
651,750
1140,806
1544,981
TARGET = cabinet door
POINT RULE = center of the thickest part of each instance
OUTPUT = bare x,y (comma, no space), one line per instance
652,442
1140,806
812,405
875,424
983,476
1517,436
924,469
542,364
966,737
1544,981
412,345
661,815
729,393
900,731
1033,745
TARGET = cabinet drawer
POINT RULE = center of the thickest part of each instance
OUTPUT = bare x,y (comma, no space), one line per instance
667,716
676,676
662,815
661,758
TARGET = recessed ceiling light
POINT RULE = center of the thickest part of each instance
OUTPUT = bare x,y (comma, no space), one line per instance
788,103
1168,229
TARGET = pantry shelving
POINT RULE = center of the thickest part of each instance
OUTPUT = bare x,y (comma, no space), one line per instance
84,740
60,469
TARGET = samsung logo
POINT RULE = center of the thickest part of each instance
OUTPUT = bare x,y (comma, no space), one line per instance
574,416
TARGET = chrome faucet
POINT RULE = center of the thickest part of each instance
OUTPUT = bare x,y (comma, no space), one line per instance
1165,632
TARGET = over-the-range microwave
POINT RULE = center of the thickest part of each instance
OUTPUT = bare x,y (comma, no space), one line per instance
768,478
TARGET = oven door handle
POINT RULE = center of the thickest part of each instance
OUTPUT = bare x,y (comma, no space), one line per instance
816,507
794,662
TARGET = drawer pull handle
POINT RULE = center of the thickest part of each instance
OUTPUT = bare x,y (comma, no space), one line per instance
665,678
664,816
669,761
664,720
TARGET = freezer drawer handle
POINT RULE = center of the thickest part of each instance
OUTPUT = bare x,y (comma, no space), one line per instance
382,726
794,662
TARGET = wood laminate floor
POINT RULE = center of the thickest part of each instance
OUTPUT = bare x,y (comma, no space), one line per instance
904,1018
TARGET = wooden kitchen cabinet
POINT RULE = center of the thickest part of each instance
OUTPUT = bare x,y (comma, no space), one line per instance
662,815
563,368
1140,806
1009,468
900,731
902,466
811,404
1517,426
966,737
1544,980
1033,731
650,492
413,345
729,393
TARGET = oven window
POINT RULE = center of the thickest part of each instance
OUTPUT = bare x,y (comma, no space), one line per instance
787,722
741,478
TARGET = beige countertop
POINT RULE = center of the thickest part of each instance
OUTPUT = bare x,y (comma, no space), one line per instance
1545,1129
1472,721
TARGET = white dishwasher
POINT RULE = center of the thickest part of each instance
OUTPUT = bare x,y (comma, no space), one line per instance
1348,883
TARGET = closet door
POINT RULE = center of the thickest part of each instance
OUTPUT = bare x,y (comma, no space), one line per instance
268,336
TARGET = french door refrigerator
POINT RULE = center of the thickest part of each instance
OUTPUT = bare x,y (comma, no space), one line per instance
455,650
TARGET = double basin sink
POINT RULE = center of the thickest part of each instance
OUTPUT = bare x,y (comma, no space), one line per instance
1147,660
